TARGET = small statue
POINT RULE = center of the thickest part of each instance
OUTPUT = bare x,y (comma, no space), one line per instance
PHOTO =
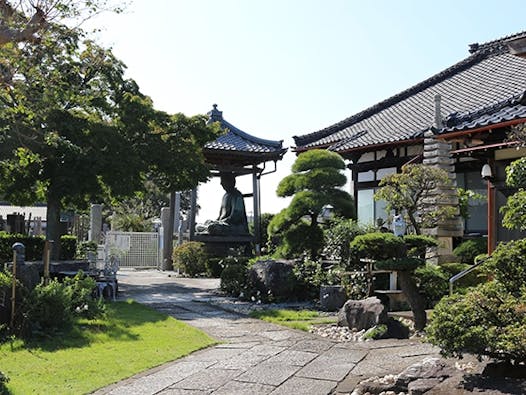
399,225
232,218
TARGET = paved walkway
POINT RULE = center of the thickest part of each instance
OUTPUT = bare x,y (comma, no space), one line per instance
256,357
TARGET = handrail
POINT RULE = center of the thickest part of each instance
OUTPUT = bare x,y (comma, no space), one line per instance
463,273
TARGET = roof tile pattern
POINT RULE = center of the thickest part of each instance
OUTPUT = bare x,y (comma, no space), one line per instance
235,139
490,75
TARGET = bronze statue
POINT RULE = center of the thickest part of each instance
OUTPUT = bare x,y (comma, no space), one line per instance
232,218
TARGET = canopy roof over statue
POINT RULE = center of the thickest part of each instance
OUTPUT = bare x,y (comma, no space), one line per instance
239,153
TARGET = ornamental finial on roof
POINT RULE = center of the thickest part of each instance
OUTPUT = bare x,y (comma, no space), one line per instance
215,115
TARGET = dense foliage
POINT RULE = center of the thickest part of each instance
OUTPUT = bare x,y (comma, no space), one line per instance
73,129
379,246
190,258
314,183
338,236
34,246
409,193
487,321
468,250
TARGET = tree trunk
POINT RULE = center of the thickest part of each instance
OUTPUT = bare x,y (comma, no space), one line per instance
53,231
409,288
313,225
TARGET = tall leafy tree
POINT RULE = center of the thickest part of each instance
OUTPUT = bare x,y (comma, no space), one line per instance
413,193
26,20
314,183
73,129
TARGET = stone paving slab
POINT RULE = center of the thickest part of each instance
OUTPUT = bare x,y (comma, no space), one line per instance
209,379
269,373
242,388
255,357
333,364
300,385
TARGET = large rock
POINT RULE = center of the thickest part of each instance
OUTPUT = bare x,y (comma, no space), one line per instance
362,314
273,279
429,368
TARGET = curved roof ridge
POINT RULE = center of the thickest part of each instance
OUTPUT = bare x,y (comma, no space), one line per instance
217,116
498,44
245,135
454,118
444,74
478,52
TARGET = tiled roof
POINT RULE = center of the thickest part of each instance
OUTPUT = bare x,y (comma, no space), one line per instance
504,111
488,76
236,140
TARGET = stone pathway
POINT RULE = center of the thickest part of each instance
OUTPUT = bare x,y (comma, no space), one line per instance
255,357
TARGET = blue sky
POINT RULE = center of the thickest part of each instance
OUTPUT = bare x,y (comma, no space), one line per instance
283,68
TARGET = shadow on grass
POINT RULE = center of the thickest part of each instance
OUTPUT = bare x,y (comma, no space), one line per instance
118,324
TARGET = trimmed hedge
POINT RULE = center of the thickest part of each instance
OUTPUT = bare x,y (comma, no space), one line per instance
34,246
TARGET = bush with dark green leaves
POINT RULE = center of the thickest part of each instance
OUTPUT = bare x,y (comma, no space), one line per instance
190,258
432,282
508,263
489,319
417,245
477,276
338,236
379,246
34,246
234,278
83,300
468,250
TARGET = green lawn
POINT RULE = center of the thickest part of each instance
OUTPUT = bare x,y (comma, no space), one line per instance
131,339
297,319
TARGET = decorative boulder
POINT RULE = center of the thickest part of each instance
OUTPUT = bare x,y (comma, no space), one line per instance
273,279
362,314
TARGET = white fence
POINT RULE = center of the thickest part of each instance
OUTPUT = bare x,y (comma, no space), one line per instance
134,249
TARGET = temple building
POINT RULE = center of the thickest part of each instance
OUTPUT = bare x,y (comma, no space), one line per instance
458,119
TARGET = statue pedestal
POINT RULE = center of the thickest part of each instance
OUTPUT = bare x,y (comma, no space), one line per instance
222,245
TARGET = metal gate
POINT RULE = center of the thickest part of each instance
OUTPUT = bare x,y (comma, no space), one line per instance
134,249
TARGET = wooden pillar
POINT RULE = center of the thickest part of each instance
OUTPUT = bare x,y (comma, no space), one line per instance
491,217
257,219
193,207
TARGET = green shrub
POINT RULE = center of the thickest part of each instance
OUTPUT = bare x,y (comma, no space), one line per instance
85,247
418,244
68,247
234,279
487,321
379,246
34,246
469,249
338,237
190,258
356,284
48,309
477,276
400,264
376,332
298,239
83,302
432,283
3,382
310,275
213,267
508,262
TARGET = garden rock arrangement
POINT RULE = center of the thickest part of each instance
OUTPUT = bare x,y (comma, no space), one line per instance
370,315
273,278
416,379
